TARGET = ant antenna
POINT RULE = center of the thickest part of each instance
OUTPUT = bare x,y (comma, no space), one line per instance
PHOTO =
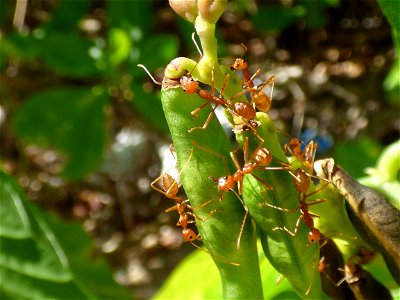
245,49
197,45
148,73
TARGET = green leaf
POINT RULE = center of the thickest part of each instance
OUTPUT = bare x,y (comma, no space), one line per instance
137,15
385,177
149,107
277,18
92,272
291,256
221,231
68,54
28,264
202,270
120,46
52,260
17,46
67,15
71,120
391,8
158,50
355,156
391,83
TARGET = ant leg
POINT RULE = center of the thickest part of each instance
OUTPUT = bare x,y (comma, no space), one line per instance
312,270
169,193
267,186
196,111
227,78
243,222
205,125
255,75
186,163
317,201
280,208
215,256
172,208
234,158
296,229
241,93
259,146
209,214
213,153
317,190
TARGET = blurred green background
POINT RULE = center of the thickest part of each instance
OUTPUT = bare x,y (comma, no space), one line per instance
83,132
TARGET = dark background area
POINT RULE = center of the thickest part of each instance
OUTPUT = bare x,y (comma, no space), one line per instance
330,59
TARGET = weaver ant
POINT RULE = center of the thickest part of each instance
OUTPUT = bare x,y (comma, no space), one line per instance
306,155
260,159
228,183
241,65
302,183
170,188
258,97
240,109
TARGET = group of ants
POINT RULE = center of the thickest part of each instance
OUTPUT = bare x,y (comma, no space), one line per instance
260,159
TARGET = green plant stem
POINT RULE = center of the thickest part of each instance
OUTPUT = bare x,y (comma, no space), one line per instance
219,232
291,256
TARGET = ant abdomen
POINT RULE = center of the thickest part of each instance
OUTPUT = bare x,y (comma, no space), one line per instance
245,110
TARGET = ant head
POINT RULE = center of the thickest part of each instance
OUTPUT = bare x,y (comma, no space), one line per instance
226,183
239,64
189,85
314,235
189,235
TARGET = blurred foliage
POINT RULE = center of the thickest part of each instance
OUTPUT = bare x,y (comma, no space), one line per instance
277,18
392,82
355,156
63,74
72,120
44,258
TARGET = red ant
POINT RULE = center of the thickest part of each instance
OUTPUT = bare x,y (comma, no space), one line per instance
170,188
240,109
260,159
241,65
302,183
306,155
258,97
